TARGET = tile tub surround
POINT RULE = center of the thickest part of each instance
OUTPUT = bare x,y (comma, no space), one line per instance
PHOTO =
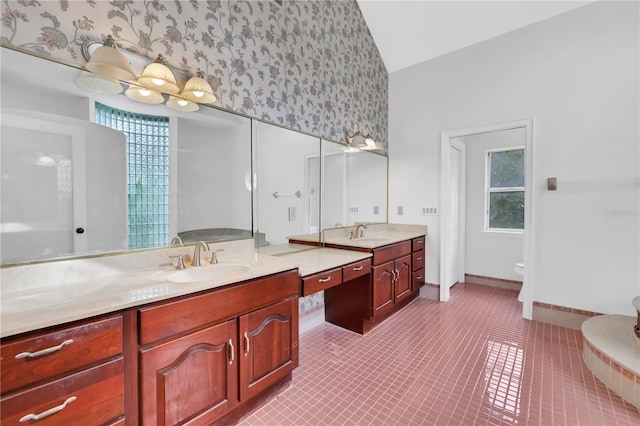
40,295
613,354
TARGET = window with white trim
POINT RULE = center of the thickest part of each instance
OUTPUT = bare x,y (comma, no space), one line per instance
504,195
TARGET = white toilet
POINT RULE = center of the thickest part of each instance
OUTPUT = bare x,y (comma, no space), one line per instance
519,269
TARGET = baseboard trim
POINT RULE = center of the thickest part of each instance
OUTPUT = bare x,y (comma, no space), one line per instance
561,315
493,282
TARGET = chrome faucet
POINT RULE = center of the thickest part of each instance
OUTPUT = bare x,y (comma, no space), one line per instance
177,241
214,256
196,252
358,231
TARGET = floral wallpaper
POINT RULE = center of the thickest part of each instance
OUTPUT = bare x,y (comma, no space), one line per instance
307,65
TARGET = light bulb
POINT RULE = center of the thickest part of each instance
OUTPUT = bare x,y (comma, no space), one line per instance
198,93
157,81
144,92
182,102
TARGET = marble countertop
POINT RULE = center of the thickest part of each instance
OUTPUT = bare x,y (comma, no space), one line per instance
320,259
375,235
39,296
27,309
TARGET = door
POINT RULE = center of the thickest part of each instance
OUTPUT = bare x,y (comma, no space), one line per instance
192,378
268,336
383,281
453,234
403,278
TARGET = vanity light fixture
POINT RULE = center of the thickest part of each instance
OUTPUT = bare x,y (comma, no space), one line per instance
98,84
144,95
356,139
179,104
157,76
107,67
109,62
198,90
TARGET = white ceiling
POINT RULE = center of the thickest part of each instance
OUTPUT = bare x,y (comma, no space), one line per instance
408,32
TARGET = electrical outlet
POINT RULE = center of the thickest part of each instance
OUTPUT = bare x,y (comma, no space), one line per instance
376,210
353,210
400,210
430,211
292,214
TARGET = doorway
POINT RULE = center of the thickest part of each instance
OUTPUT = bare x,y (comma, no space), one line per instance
452,201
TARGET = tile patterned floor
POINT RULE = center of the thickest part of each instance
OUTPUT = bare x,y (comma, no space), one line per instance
471,361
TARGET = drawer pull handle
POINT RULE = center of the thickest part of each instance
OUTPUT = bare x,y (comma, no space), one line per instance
44,351
246,344
358,268
419,277
232,352
324,280
49,412
419,258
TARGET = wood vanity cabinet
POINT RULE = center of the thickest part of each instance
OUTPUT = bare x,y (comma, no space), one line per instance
362,303
70,374
418,258
203,356
391,284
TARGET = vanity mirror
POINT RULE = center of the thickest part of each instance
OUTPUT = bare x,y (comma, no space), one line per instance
288,183
69,185
64,178
354,186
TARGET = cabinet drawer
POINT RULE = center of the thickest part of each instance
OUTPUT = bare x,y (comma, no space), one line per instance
177,317
417,260
418,243
94,396
356,270
391,252
417,279
320,281
31,358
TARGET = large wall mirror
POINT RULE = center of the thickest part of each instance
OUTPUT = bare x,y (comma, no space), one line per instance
73,187
288,184
354,186
72,183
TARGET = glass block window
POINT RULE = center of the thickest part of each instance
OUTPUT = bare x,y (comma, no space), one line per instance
505,190
147,172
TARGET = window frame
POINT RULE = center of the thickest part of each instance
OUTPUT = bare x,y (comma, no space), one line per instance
488,190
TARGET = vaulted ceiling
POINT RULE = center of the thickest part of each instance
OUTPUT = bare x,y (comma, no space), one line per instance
408,32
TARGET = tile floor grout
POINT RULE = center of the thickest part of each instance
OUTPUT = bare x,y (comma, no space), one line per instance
470,361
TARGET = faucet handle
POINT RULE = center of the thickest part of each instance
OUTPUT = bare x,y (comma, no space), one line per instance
214,256
180,264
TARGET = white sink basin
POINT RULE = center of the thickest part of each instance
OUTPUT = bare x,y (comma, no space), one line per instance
219,271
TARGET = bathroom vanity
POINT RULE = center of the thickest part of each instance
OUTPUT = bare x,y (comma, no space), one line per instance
157,351
114,340
371,290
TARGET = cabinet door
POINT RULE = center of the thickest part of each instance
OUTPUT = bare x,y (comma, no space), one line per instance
383,281
269,337
403,278
190,379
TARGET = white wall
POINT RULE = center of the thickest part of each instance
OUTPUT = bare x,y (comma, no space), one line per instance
488,254
282,163
212,167
577,76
